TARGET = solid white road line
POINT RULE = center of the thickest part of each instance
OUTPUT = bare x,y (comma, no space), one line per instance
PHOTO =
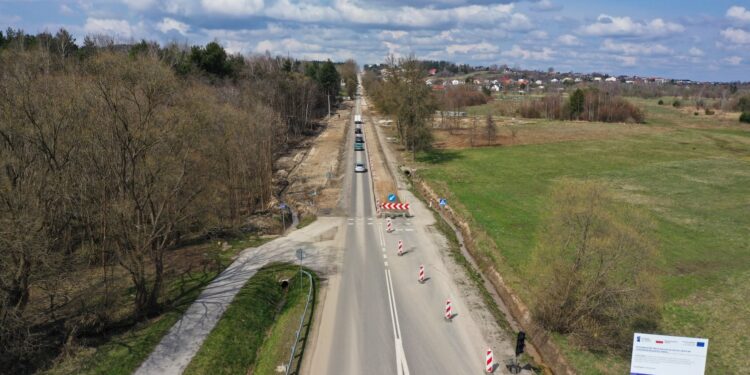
401,366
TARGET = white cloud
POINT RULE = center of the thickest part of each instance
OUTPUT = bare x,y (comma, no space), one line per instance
737,36
739,13
569,40
233,7
733,60
610,45
167,24
139,4
482,47
627,60
392,34
287,45
539,34
695,51
546,6
108,26
545,54
65,9
625,26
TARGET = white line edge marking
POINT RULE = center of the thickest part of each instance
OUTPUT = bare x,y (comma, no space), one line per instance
401,365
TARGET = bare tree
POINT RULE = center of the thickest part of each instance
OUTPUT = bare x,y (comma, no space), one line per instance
490,129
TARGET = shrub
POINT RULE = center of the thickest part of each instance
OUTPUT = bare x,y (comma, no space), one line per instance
743,104
661,102
745,117
677,103
709,112
594,268
695,113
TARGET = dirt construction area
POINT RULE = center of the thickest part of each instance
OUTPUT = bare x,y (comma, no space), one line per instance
315,183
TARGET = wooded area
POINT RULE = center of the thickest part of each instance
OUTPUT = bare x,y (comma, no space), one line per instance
112,155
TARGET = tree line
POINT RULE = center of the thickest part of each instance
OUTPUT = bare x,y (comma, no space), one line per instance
584,105
111,155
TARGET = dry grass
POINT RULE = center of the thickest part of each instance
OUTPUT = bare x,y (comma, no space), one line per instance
511,131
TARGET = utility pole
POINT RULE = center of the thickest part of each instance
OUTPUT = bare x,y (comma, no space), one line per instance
329,104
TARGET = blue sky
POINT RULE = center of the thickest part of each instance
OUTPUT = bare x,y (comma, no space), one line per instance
700,39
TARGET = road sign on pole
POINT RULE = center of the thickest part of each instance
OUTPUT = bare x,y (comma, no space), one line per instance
443,202
391,197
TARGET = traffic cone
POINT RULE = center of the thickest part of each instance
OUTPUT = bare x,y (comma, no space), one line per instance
490,363
448,310
400,248
421,274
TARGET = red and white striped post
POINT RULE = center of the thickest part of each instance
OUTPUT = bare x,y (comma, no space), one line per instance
400,248
448,310
489,361
377,207
421,274
388,225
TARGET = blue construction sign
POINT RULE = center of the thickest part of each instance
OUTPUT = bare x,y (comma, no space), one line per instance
443,202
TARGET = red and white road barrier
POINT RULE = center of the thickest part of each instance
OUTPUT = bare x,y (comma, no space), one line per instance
377,208
421,274
388,225
448,310
395,206
400,247
490,363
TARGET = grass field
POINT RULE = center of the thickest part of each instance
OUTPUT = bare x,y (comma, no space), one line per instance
695,181
255,333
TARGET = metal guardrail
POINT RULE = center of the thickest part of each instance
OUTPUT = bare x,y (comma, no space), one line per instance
301,322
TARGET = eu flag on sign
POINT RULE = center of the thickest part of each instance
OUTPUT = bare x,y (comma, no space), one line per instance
701,344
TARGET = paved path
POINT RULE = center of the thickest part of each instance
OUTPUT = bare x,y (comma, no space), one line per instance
176,349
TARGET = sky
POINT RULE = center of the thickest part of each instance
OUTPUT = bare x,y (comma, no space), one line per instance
705,40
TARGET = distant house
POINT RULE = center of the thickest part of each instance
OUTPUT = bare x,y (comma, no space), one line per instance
611,79
629,82
455,82
541,87
428,82
538,82
495,88
578,80
554,80
432,71
597,79
477,82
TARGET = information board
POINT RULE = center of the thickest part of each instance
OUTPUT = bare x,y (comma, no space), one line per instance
668,355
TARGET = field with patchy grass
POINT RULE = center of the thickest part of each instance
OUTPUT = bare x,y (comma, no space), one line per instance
256,332
692,173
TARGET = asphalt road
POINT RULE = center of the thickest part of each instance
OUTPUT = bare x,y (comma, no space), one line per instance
376,317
